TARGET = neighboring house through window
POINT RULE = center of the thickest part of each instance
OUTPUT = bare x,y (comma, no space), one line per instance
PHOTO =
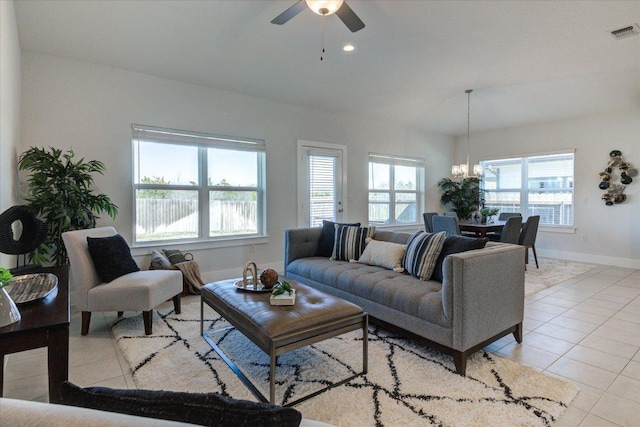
534,185
191,186
396,189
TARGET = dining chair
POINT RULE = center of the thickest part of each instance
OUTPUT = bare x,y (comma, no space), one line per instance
445,223
504,215
428,223
528,238
453,214
135,291
510,232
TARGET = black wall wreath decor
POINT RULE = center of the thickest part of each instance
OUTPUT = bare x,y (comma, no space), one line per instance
615,191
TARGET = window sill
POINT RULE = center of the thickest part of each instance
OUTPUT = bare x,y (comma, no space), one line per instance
399,227
195,245
557,229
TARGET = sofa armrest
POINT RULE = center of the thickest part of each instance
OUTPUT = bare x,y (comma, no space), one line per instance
300,243
483,292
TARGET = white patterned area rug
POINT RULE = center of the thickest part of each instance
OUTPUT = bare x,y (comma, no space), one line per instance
551,272
407,384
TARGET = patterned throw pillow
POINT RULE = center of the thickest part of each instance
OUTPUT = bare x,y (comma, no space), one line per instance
350,242
383,254
176,256
422,253
327,238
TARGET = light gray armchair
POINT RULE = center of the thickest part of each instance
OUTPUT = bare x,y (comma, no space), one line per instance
137,291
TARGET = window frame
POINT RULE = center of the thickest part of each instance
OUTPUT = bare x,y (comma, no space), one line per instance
393,160
525,190
203,142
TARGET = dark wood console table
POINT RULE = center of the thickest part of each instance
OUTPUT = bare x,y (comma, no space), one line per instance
44,323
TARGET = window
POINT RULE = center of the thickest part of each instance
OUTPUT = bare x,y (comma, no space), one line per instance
395,189
192,186
537,185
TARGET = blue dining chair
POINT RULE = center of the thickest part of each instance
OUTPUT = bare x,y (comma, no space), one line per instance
428,223
445,223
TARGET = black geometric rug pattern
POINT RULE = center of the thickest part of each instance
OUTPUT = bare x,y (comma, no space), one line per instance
407,383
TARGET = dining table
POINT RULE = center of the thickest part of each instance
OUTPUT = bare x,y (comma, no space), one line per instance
481,229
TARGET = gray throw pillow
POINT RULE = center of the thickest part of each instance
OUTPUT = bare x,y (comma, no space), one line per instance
204,409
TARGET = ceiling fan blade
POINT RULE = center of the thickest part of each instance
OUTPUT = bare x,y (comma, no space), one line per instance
349,17
290,13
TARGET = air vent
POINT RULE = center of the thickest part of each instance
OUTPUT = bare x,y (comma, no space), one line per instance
623,33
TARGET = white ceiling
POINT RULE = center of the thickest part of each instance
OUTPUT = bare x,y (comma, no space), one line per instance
527,61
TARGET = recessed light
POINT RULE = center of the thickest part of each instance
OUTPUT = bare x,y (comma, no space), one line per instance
348,48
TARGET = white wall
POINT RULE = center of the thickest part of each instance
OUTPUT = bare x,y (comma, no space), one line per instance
91,108
9,110
604,234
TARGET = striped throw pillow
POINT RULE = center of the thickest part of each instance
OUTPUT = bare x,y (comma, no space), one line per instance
422,253
350,242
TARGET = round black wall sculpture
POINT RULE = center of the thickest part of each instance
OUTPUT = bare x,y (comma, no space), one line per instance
34,231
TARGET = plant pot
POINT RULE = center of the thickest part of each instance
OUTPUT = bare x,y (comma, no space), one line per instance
9,313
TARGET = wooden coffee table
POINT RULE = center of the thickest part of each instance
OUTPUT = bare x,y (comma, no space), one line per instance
316,316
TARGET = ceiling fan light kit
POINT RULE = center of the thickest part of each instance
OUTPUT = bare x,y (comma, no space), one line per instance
324,7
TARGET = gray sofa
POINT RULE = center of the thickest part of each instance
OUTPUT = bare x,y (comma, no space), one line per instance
480,299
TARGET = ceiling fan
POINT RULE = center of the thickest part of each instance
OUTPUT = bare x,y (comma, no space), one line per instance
323,8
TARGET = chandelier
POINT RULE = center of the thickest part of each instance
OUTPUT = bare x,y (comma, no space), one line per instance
462,170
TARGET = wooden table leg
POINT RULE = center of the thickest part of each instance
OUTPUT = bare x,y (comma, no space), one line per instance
1,373
58,360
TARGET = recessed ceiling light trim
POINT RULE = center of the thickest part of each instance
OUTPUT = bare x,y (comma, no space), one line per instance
624,32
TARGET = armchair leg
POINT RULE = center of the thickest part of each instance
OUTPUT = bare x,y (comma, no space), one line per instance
535,255
120,313
177,306
517,334
86,319
147,316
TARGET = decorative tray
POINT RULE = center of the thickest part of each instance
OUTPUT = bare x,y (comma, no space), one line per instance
31,287
250,288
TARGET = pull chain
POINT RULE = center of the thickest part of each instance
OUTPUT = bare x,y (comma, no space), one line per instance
322,37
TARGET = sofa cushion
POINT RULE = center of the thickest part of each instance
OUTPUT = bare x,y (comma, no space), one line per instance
455,244
350,242
111,257
397,291
327,238
207,409
383,254
422,253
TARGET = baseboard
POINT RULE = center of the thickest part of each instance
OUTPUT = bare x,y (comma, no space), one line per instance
590,258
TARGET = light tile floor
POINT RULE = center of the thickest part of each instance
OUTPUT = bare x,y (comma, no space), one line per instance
585,330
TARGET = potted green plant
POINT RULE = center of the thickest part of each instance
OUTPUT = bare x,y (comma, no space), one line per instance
462,196
9,312
488,213
61,192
